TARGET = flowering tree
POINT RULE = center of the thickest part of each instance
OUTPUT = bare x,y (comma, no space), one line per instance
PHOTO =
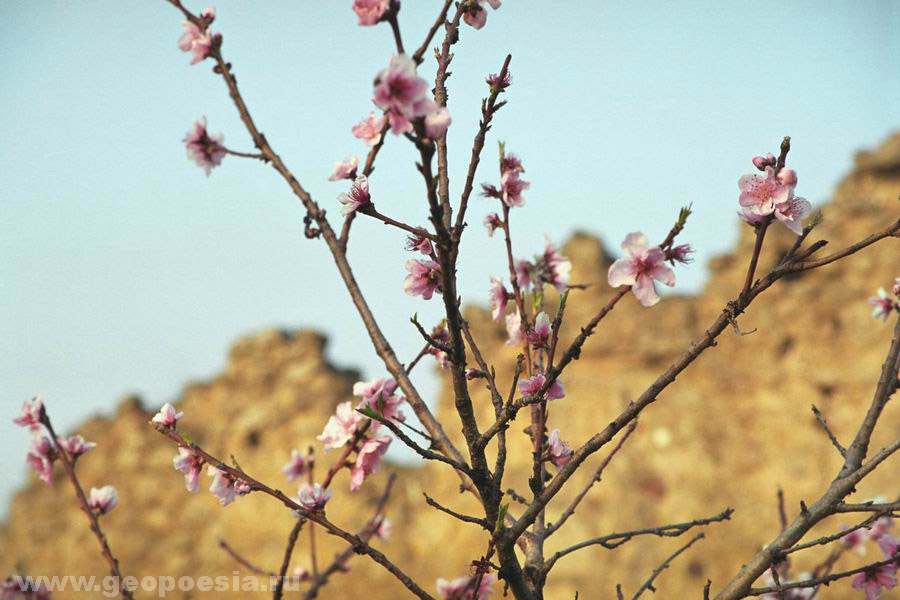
362,430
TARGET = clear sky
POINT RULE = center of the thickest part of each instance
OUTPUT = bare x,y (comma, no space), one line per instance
124,269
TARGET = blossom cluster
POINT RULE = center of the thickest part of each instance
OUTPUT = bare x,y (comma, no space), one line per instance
772,194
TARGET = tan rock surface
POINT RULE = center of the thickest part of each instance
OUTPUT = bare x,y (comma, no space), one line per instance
727,433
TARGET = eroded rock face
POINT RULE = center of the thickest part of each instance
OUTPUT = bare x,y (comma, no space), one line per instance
729,432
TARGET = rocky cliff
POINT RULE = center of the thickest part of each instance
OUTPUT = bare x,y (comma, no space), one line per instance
729,432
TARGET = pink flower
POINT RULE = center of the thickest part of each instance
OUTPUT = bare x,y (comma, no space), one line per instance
196,41
555,267
496,83
514,328
298,466
313,497
378,395
792,213
205,150
75,445
103,500
340,427
539,336
531,386
424,278
369,129
880,528
492,223
370,11
559,451
167,417
418,243
761,162
461,588
190,463
855,540
32,413
642,265
344,169
208,14
498,297
760,195
41,456
751,218
680,254
402,93
510,163
225,487
524,270
512,188
889,545
883,305
476,14
872,582
385,528
368,459
441,335
788,177
437,122
358,198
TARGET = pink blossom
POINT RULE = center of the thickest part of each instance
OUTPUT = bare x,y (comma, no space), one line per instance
512,188
41,456
759,195
539,336
761,162
680,254
889,545
196,41
385,528
532,385
190,463
32,413
872,582
358,198
369,129
476,14
440,334
514,328
880,528
370,11
752,218
313,497
225,487
524,270
103,500
461,588
510,163
492,223
424,278
75,445
167,417
498,297
368,459
205,150
788,177
345,169
642,265
402,93
437,122
298,466
419,243
855,540
883,305
792,213
208,14
340,427
559,451
378,395
555,268
496,83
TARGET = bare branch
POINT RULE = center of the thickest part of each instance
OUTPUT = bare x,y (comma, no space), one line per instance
648,585
821,419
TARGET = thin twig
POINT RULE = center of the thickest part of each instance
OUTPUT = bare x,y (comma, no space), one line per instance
243,561
648,585
821,419
286,563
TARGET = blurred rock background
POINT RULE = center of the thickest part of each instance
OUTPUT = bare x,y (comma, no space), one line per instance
731,431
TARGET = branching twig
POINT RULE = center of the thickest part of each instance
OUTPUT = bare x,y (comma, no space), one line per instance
648,585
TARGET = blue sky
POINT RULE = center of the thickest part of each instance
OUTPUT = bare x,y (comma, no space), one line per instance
125,269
